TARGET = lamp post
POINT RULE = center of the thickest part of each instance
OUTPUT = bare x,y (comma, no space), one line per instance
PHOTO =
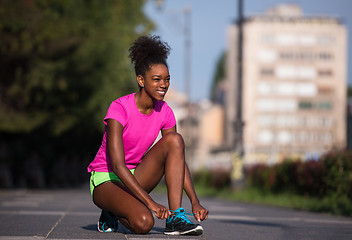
187,76
187,12
238,124
237,157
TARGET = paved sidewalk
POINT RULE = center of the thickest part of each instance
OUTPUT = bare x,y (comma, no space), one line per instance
70,214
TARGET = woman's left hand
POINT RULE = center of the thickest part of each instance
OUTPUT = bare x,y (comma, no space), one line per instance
199,212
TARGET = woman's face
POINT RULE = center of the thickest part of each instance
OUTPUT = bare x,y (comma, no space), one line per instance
156,81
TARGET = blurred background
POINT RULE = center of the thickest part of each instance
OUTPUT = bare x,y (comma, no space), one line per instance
261,89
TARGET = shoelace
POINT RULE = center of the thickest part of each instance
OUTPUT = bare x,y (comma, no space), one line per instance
182,214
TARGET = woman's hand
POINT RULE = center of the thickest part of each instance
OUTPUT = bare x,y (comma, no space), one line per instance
159,210
199,212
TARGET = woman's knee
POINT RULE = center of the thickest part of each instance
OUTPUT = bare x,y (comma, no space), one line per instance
175,140
143,223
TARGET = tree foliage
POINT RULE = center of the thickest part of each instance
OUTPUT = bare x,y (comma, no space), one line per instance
62,61
61,64
218,78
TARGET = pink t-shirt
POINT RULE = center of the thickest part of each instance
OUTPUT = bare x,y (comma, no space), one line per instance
139,131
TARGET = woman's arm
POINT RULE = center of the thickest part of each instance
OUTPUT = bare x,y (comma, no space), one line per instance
117,156
200,213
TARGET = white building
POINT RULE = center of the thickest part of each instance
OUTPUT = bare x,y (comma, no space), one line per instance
294,85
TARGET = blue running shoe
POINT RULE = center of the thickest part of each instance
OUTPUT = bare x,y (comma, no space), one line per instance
107,222
179,224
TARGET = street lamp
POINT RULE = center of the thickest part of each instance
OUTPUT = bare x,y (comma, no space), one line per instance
187,11
237,157
238,124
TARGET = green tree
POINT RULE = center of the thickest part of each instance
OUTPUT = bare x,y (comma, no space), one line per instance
218,77
61,64
62,60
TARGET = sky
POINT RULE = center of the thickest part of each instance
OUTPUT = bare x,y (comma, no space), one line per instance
208,24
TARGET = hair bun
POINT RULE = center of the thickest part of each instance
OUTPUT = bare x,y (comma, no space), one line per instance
148,50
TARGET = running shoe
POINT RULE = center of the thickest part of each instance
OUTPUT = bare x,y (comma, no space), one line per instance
178,223
107,222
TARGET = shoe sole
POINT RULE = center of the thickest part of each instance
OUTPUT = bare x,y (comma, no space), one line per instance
193,232
109,230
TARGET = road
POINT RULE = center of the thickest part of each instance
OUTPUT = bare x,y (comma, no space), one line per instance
70,214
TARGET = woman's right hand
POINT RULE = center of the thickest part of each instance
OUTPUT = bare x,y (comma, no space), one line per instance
159,210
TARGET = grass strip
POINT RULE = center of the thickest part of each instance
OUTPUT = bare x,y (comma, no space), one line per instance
330,204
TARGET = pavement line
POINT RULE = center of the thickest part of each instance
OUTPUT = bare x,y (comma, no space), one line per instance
226,209
20,204
42,238
232,217
178,237
21,238
256,219
310,220
57,223
55,213
211,216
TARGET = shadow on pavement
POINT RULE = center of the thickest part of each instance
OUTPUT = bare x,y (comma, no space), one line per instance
253,223
90,227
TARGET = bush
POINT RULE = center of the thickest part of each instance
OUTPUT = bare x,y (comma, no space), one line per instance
261,176
338,173
217,178
329,179
285,177
309,178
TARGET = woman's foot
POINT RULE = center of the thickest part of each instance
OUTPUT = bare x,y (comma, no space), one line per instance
179,224
107,222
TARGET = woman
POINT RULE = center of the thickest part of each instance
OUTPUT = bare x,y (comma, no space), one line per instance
125,169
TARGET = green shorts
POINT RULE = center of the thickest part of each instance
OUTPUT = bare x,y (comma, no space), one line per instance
97,178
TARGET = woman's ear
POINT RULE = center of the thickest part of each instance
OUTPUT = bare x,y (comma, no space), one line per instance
140,80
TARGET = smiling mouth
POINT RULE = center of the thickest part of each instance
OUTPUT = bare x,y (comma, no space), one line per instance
161,92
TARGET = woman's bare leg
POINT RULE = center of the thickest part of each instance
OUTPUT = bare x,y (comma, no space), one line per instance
167,157
133,214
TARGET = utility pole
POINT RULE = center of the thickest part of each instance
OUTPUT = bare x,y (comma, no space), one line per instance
187,53
187,81
237,157
238,128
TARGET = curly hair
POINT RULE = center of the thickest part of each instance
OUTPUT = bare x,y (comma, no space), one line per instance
146,51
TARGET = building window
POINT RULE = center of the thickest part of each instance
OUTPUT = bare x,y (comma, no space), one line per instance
265,136
325,56
306,56
284,137
324,122
266,72
303,137
265,88
325,40
324,105
307,89
267,38
282,105
325,90
325,73
266,121
286,39
286,89
306,72
292,72
267,56
285,72
286,55
305,105
302,122
307,40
